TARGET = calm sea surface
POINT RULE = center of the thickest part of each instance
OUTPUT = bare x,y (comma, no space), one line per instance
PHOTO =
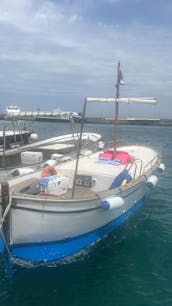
131,267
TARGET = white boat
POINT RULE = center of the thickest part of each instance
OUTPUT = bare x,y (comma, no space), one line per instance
55,218
12,110
17,139
58,116
11,141
31,157
10,138
13,136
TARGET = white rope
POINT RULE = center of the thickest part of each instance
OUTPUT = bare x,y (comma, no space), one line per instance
1,231
1,224
6,211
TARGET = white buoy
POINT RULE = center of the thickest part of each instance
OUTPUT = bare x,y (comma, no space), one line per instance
101,145
112,202
21,171
161,168
34,137
152,181
51,162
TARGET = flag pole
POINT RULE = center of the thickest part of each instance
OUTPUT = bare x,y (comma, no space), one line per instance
116,109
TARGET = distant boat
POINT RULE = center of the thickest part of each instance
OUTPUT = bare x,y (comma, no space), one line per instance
58,116
12,110
57,217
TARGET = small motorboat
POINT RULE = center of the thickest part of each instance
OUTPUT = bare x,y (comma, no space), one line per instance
28,158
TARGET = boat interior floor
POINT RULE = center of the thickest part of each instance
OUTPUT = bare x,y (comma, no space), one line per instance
33,189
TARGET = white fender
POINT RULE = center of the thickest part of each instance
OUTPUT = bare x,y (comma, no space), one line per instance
152,181
161,168
101,145
34,137
21,171
112,202
93,181
51,162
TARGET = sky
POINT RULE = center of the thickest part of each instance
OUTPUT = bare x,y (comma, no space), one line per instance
55,53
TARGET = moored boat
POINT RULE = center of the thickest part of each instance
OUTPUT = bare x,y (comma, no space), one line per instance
28,158
17,139
14,138
54,218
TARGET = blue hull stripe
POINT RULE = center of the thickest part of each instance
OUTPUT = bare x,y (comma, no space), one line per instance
55,251
2,247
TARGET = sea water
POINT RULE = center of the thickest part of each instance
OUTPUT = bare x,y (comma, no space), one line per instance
130,267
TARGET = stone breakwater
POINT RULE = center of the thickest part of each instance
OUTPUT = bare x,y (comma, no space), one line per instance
131,121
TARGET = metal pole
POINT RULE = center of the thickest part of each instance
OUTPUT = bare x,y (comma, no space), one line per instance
116,110
15,139
5,232
4,147
5,198
79,148
20,133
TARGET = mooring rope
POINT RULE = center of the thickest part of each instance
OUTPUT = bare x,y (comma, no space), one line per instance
6,211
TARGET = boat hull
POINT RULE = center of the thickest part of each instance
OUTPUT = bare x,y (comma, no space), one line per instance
52,225
57,232
61,250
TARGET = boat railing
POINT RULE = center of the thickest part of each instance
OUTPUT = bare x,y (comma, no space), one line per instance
151,163
137,165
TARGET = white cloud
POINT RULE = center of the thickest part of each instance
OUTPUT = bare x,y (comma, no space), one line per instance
52,49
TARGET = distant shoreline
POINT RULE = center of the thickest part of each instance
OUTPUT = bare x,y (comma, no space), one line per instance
100,120
131,121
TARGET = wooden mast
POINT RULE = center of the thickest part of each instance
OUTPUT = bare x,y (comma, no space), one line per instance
116,108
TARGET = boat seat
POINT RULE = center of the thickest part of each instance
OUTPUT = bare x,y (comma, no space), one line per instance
119,179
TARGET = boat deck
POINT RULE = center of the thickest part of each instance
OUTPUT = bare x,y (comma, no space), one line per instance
31,188
92,164
93,177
